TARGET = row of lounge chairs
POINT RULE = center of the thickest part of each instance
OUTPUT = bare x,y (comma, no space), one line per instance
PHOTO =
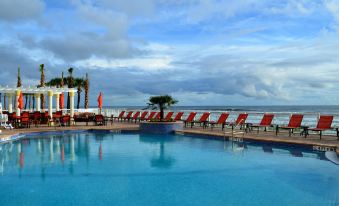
26,119
138,116
295,122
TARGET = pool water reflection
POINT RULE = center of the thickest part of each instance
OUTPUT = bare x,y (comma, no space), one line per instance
89,168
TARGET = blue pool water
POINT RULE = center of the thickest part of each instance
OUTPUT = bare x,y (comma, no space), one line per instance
89,168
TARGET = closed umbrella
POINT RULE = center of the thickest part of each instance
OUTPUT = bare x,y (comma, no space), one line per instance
61,101
21,101
100,101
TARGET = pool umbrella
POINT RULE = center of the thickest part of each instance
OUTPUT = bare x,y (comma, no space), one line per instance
100,101
61,101
21,101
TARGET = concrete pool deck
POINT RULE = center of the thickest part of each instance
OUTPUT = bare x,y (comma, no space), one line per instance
327,142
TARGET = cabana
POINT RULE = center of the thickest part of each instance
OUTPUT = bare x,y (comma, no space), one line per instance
49,92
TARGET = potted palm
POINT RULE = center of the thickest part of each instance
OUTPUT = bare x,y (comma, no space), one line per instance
161,125
161,103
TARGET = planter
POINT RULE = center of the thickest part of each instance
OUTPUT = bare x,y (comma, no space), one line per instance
160,127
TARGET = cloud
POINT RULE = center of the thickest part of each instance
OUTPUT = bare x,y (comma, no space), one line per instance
15,10
142,63
201,52
333,8
73,47
132,8
105,36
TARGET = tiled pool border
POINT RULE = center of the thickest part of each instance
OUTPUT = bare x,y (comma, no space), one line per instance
321,147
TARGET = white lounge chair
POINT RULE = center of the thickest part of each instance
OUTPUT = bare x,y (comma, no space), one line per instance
4,119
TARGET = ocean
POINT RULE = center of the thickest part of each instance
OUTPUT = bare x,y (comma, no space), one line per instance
304,109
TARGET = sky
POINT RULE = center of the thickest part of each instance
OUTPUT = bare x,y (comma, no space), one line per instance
202,52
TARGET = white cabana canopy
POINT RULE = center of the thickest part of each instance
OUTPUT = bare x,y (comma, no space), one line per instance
37,91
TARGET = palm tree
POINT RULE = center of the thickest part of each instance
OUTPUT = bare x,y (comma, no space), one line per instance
56,82
4,106
161,103
42,84
86,87
62,80
79,83
18,84
70,83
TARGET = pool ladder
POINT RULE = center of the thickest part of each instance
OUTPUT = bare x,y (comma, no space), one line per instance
234,135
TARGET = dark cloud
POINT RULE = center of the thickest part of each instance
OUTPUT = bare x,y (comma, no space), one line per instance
14,10
83,46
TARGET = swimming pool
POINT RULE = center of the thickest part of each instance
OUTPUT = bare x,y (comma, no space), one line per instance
91,168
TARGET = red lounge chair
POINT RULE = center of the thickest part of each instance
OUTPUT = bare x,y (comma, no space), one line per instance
241,121
65,120
57,117
24,120
12,119
324,123
36,118
121,115
128,116
143,116
135,116
45,118
157,116
266,121
203,120
178,116
190,118
169,116
165,118
99,119
150,116
222,121
57,114
294,123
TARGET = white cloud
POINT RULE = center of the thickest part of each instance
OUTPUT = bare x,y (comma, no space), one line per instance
152,63
333,8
